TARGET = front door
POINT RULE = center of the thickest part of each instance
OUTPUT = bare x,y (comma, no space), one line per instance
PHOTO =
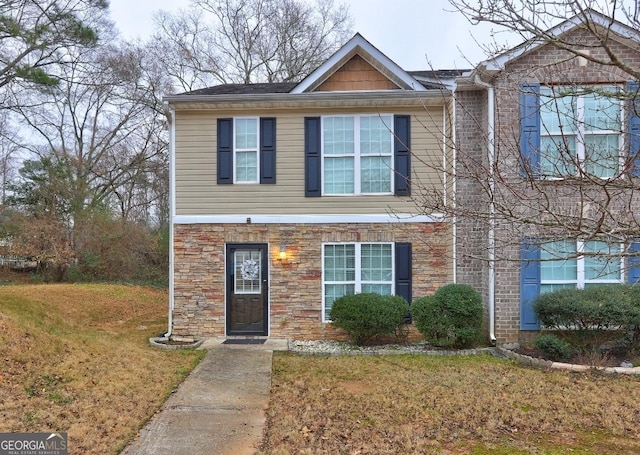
247,293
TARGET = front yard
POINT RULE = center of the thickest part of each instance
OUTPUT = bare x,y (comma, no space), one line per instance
407,404
76,358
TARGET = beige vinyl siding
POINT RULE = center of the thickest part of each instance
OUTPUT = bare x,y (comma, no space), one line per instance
195,164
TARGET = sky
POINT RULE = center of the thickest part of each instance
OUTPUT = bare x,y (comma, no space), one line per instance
416,34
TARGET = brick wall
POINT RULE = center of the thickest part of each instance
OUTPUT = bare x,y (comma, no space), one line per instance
472,232
295,282
546,65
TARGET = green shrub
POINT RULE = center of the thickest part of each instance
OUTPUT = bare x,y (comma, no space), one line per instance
365,316
553,347
588,318
452,317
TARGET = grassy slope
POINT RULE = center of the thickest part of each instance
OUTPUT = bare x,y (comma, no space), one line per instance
76,358
478,405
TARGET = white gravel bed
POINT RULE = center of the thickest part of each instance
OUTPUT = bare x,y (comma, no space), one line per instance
344,348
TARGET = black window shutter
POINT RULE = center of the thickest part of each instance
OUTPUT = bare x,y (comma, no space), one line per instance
225,150
402,155
268,150
529,283
312,157
530,130
634,127
403,272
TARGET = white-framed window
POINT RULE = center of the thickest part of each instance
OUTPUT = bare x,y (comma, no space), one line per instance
354,268
357,154
245,149
579,264
580,131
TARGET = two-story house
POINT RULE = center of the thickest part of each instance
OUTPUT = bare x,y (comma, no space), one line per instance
286,196
516,177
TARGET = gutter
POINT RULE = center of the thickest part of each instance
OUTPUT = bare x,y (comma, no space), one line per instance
286,99
170,113
491,240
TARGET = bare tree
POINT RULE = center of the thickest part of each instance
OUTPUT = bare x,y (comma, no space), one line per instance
9,151
104,119
248,41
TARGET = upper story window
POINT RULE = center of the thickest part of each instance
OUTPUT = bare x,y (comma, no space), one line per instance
245,150
357,154
580,131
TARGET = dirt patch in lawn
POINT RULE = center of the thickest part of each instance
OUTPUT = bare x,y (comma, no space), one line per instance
76,358
410,404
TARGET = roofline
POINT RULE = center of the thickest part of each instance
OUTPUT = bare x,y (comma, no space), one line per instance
307,96
357,41
499,62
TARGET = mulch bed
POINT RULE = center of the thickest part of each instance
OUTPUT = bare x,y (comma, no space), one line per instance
606,358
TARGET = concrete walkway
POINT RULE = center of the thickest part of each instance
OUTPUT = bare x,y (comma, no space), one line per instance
220,407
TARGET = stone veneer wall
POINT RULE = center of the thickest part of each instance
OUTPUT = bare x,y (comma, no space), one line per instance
295,282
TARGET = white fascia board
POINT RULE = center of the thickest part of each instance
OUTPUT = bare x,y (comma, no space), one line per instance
498,63
357,41
306,219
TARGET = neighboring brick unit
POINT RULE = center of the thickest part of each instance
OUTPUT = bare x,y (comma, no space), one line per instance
295,282
544,65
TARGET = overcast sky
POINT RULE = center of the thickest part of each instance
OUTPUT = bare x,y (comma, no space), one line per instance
416,34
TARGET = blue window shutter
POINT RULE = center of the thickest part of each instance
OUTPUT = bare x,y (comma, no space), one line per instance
530,129
402,155
529,284
403,283
225,150
633,264
268,150
634,127
312,157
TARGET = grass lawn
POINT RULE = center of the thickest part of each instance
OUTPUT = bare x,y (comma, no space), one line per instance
76,358
412,404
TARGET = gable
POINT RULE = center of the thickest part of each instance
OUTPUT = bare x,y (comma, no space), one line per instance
358,63
356,74
578,32
549,63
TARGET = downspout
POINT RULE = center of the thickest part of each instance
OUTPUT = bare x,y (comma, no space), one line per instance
454,188
170,113
491,154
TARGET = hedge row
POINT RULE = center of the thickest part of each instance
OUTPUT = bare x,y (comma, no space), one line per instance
452,317
588,319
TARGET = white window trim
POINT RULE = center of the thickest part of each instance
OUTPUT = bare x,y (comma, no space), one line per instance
357,191
581,133
236,149
358,269
581,280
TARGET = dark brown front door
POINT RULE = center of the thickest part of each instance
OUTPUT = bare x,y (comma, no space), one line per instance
247,280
